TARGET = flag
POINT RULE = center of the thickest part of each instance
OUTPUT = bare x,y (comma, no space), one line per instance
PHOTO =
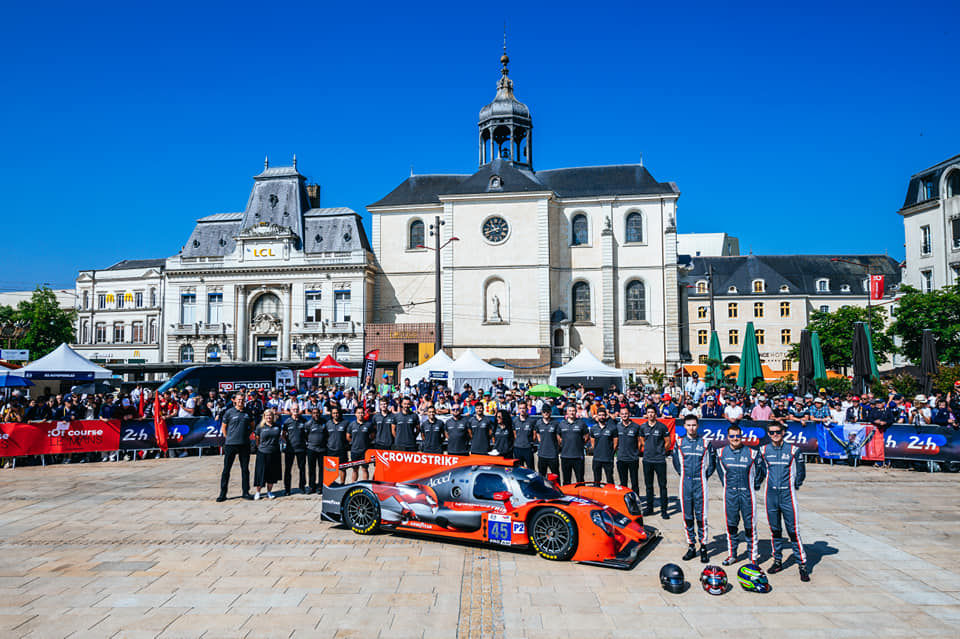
840,441
369,367
876,287
159,423
873,450
140,402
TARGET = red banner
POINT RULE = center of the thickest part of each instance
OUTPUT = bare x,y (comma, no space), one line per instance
876,287
55,438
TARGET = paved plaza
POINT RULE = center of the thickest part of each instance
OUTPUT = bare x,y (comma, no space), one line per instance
140,549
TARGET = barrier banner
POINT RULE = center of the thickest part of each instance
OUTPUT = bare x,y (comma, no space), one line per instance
922,443
804,436
182,432
842,441
57,438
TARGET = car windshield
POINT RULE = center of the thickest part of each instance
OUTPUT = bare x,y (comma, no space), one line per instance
533,486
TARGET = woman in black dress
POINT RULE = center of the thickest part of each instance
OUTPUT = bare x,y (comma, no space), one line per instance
268,469
503,434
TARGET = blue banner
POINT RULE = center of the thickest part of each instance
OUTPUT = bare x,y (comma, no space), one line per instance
182,432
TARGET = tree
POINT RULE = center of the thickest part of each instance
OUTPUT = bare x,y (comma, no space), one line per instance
49,325
7,314
937,310
836,335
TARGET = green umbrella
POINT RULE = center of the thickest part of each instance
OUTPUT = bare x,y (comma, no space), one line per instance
819,370
750,368
714,371
544,390
874,373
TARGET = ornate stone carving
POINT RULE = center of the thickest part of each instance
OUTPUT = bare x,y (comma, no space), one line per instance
266,323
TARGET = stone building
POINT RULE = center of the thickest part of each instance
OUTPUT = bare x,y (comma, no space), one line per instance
931,226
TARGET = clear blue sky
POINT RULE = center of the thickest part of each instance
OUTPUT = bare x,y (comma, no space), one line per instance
795,129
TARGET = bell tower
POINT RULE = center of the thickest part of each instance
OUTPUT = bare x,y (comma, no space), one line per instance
505,124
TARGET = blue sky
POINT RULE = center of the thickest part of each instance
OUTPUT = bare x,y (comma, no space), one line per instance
793,128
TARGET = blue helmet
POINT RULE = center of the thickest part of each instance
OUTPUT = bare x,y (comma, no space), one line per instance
752,578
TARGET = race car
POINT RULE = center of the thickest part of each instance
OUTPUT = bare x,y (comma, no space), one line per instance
492,500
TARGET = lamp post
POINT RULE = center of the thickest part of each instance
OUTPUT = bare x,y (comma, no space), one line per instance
437,325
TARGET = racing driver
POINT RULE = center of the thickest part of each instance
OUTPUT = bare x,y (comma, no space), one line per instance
785,473
694,459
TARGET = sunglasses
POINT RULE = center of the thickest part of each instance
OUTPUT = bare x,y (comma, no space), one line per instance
775,432
733,436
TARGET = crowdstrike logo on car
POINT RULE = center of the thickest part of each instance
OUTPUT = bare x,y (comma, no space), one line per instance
420,458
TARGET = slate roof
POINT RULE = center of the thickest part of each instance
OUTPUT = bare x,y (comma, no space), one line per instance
587,181
917,195
137,264
798,272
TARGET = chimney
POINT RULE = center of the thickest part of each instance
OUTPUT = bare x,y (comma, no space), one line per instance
313,192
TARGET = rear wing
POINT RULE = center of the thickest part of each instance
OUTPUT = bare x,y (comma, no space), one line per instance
398,466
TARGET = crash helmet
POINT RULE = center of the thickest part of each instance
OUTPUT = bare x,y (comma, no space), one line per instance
671,578
714,580
752,578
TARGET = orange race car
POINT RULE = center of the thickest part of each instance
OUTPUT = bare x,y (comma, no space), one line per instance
492,500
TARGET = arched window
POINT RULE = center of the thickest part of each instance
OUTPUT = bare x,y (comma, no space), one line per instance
186,354
579,230
267,304
634,227
312,351
558,338
341,351
636,301
581,302
152,332
759,286
213,353
702,287
416,235
84,332
953,183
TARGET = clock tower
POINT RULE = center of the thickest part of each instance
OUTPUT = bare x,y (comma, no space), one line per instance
505,124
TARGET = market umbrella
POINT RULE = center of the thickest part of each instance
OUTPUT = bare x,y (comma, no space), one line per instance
805,370
544,390
715,368
874,372
750,367
12,381
861,359
928,361
819,370
329,367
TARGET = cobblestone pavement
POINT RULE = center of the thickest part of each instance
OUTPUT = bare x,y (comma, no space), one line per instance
140,549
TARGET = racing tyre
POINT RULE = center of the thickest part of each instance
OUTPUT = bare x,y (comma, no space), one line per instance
553,534
361,511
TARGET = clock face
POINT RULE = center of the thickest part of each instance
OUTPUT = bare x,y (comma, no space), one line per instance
495,229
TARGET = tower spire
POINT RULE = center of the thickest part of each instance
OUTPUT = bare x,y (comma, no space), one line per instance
266,162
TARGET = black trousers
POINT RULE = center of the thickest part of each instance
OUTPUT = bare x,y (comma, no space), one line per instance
629,470
660,468
601,467
231,452
571,466
548,465
525,455
314,462
288,457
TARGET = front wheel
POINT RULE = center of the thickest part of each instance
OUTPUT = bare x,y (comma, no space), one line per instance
553,534
361,511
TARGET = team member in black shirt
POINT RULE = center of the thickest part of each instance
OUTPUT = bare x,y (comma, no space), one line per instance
603,437
337,438
235,428
294,434
433,431
548,455
523,428
406,426
359,435
503,434
481,430
573,436
654,439
628,450
383,423
316,435
268,469
458,432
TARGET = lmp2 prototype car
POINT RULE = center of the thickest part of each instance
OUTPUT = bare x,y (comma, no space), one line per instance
492,500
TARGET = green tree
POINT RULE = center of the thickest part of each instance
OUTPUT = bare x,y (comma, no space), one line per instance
7,314
836,335
49,326
937,310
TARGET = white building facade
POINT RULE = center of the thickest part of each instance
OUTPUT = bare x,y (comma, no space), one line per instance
931,226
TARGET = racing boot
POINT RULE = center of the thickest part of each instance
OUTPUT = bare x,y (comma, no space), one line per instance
804,575
663,510
729,561
776,567
691,553
704,557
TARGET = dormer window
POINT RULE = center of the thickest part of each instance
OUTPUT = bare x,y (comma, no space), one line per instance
732,290
928,191
784,288
823,285
496,182
845,288
702,287
759,286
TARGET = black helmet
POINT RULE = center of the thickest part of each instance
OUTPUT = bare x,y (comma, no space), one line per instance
671,578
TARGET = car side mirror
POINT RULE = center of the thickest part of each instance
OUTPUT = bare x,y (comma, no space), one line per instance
502,495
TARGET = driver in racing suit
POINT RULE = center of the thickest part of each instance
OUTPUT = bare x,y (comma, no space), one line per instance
694,460
785,473
739,471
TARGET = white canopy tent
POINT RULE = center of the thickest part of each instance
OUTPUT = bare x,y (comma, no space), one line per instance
586,369
64,363
439,365
470,369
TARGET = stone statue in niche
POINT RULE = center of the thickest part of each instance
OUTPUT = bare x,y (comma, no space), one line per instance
495,315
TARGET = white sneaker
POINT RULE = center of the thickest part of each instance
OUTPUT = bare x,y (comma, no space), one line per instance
270,495
256,496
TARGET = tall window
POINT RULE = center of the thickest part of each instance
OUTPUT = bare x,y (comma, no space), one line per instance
954,227
100,332
213,353
136,332
214,308
120,299
312,304
758,286
581,302
84,332
823,286
701,312
152,331
702,337
733,337
138,299
761,336
926,246
787,365
186,354
634,227
86,300
118,332
153,297
784,309
341,306
101,301
580,234
758,309
701,287
415,236
636,302
188,308
732,311
926,281
928,191
785,336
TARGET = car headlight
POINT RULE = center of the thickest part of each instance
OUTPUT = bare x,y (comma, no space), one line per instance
602,520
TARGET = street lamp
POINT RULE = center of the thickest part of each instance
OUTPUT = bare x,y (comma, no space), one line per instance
437,327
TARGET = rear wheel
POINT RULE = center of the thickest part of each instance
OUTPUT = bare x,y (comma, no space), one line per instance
361,511
553,534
